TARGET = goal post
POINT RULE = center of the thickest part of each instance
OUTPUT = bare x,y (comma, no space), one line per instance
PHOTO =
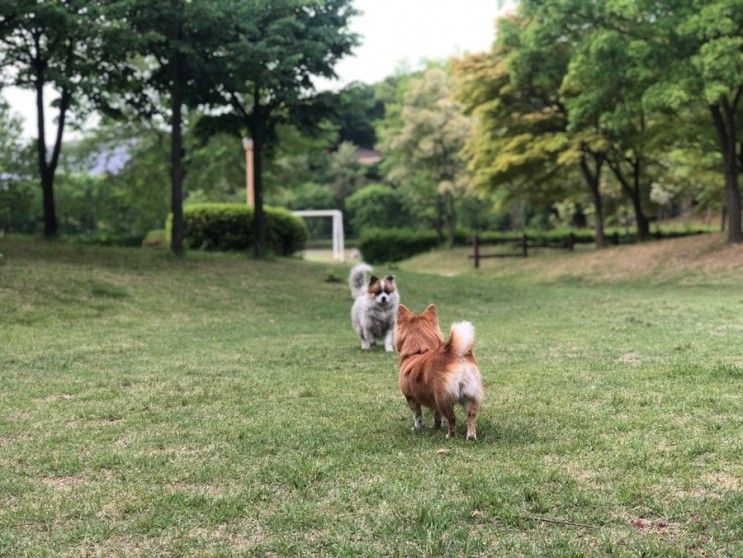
339,249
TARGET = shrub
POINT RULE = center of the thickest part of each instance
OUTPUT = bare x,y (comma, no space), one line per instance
228,226
391,245
314,196
376,206
157,238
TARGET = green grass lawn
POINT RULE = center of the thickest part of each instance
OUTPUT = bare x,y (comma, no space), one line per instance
222,406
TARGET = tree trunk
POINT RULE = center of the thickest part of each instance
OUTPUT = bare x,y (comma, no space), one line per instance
634,192
723,116
723,217
259,217
47,178
439,224
593,180
176,138
451,217
643,226
50,215
599,211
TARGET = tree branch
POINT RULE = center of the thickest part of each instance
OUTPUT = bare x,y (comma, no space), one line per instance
64,104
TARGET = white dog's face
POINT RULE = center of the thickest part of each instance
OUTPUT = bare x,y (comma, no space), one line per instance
383,291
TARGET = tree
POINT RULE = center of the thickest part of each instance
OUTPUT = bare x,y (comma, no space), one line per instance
428,137
355,109
66,46
170,54
705,64
17,197
346,174
521,143
377,206
269,55
610,100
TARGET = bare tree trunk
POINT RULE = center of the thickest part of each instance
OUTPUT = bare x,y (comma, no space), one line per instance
259,216
47,178
593,180
176,137
723,116
439,225
634,192
451,217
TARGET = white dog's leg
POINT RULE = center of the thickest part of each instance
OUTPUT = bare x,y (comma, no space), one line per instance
365,344
389,341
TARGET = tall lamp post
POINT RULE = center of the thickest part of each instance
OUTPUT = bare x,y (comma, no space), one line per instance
249,177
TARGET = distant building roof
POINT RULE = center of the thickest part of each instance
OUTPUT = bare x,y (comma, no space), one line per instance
110,161
368,156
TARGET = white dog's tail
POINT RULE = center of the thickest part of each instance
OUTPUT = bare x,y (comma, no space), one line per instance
356,279
462,338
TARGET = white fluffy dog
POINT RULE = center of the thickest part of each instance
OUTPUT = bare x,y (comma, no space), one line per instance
374,310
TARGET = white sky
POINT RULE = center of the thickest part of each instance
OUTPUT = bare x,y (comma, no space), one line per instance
394,33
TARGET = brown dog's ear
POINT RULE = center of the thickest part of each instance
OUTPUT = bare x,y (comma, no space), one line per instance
430,312
373,279
390,278
403,314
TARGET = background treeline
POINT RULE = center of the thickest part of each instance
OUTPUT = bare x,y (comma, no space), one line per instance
582,115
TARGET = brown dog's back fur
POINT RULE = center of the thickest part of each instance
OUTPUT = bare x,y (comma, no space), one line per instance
437,373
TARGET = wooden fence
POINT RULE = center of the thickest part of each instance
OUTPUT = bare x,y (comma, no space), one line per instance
523,245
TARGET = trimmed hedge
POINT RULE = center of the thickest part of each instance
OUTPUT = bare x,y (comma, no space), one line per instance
391,245
229,226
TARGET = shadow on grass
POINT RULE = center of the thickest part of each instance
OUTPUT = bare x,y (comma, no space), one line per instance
507,431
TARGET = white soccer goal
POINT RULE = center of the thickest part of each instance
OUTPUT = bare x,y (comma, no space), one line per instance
339,250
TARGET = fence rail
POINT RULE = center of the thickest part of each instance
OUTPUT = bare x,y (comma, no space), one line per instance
522,243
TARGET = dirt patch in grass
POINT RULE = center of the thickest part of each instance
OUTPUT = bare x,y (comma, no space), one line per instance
64,483
53,398
723,482
212,490
240,537
631,359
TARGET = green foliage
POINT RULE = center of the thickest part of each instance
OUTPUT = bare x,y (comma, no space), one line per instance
355,108
345,173
377,206
19,206
312,196
19,197
129,202
70,48
422,135
270,54
520,122
297,157
157,238
223,226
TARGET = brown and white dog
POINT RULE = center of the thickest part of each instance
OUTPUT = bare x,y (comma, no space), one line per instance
374,309
435,373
